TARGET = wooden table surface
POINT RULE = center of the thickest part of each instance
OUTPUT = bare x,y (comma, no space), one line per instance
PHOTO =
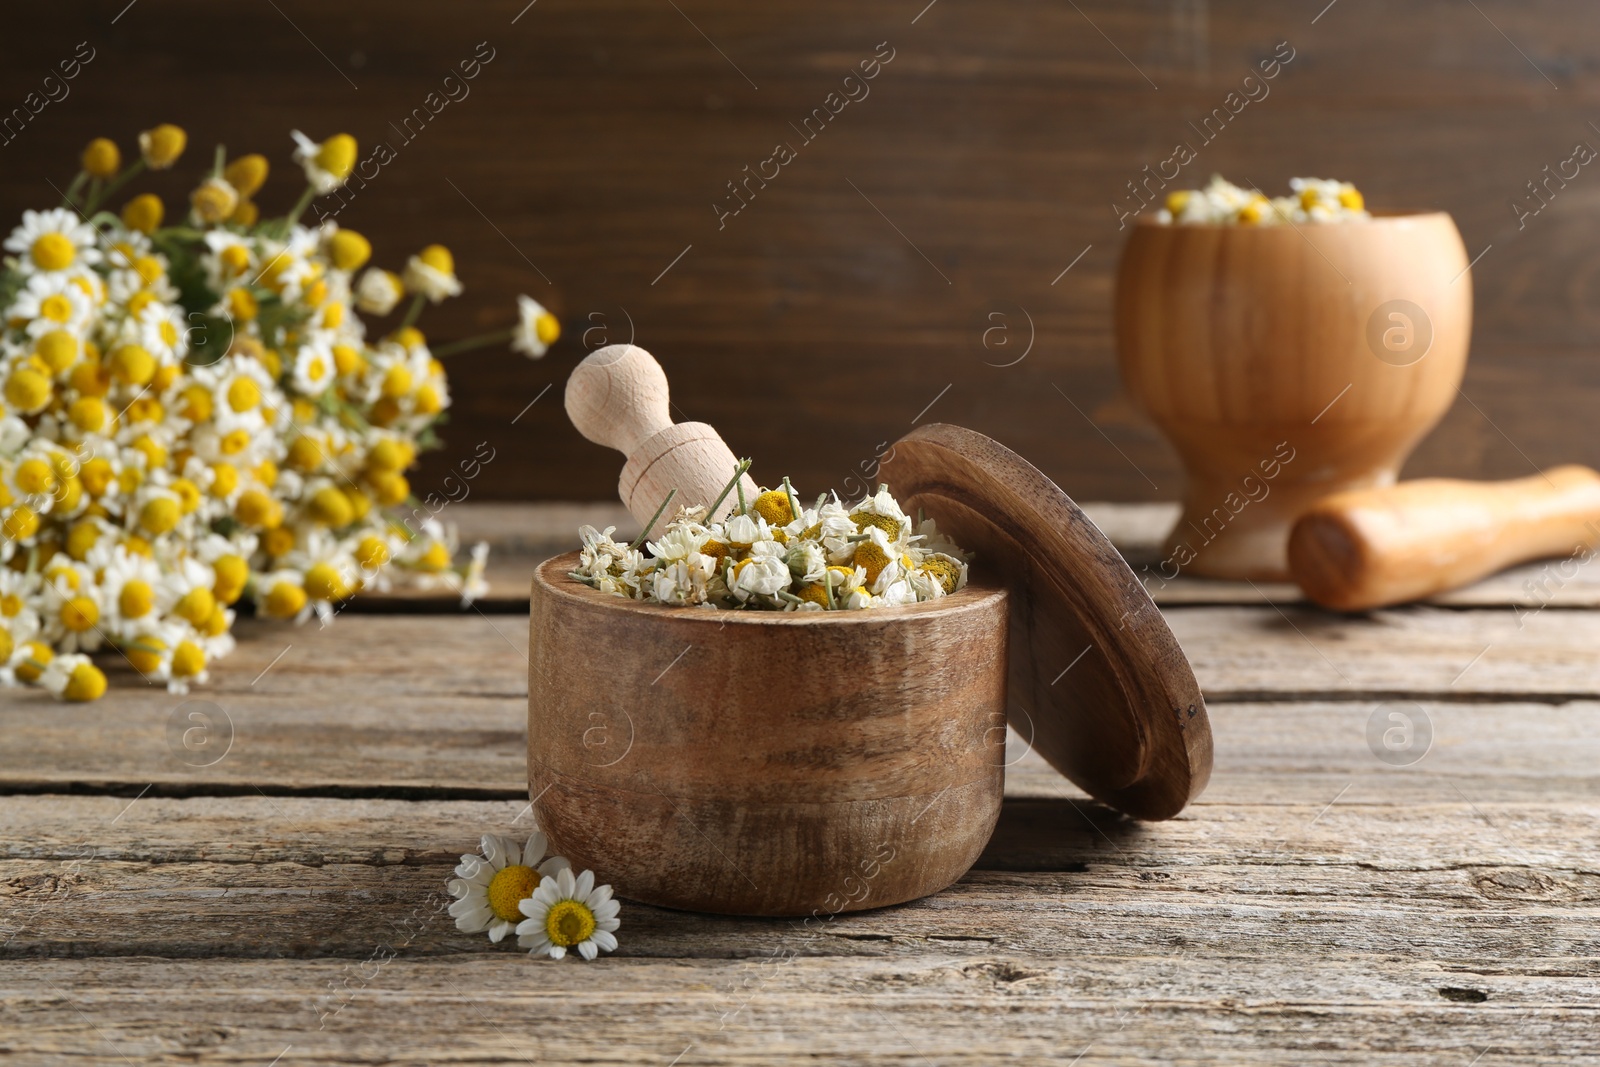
283,903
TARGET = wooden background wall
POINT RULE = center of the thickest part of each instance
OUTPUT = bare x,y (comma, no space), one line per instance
860,283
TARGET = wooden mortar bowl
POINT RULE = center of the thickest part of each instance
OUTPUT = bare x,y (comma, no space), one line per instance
1247,344
766,763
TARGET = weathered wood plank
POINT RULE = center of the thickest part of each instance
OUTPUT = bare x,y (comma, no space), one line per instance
1167,1006
418,705
67,858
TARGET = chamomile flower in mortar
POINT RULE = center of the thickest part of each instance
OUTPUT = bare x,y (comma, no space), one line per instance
327,164
537,329
53,241
567,913
488,887
882,512
378,291
431,273
763,572
681,582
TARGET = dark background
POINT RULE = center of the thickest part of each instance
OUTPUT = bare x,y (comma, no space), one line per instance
808,329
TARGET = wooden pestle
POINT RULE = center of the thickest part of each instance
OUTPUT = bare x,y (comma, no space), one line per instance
1368,548
617,397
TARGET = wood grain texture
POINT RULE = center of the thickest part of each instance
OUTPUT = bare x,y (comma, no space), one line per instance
1316,904
1095,679
1276,383
766,763
1361,550
997,141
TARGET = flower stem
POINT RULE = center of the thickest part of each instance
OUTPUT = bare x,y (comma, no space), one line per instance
738,472
133,170
300,207
646,531
67,200
468,344
218,161
412,312
794,504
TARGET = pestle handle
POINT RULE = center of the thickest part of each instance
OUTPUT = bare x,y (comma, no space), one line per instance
617,397
1372,547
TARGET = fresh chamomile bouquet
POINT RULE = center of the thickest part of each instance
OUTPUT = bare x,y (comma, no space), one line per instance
775,554
193,416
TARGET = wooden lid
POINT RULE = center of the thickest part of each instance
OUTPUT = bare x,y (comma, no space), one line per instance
1097,682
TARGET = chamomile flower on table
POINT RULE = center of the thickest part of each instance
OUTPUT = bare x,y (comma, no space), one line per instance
53,241
327,164
488,887
73,678
536,329
378,291
431,273
567,913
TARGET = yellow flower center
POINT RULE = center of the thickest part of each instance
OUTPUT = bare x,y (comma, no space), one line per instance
773,505
235,442
39,653
163,145
58,348
568,923
436,558
397,381
101,158
159,515
10,604
439,258
285,600
136,599
1352,199
34,477
27,389
56,308
143,213
79,614
510,886
247,174
324,582
337,155
243,394
349,250
372,553
236,258
21,524
945,571
145,653
187,660
196,606
547,328
331,507
224,479
85,683
133,365
871,557
864,519
232,572
53,251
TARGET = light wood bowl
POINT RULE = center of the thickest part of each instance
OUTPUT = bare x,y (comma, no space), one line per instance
764,763
1250,344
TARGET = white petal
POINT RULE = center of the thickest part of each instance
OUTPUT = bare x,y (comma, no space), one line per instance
607,910
513,852
587,950
533,908
537,844
499,930
607,924
565,883
554,865
493,851
457,888
557,952
607,941
584,886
